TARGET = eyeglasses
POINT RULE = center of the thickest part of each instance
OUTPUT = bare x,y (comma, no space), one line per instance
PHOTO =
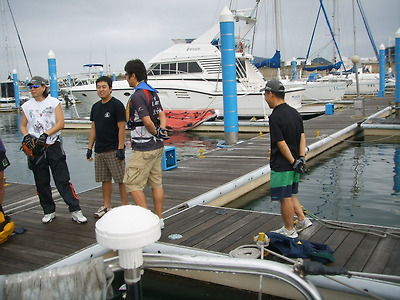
34,86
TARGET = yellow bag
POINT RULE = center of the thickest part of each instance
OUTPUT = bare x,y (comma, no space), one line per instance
6,227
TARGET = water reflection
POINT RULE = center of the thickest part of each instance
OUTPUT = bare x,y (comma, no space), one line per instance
358,166
396,170
350,182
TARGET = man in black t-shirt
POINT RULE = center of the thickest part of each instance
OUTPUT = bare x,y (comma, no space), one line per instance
288,146
108,131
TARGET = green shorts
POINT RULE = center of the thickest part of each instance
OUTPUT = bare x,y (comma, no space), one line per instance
144,167
284,184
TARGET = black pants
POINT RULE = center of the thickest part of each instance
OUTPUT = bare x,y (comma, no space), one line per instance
54,159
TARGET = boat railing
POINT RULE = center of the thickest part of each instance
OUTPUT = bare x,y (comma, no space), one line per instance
265,268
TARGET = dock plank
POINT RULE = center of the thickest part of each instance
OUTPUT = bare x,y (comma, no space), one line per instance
206,229
336,238
362,253
380,256
245,234
348,246
221,234
393,266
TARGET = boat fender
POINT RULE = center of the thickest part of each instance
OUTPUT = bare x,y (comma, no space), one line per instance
6,226
317,268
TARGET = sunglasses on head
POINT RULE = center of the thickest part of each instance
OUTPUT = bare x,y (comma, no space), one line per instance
34,86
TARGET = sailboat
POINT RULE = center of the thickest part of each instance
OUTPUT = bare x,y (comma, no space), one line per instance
7,100
315,89
188,75
7,92
368,82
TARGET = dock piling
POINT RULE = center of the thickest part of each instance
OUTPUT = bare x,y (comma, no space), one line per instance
16,88
382,63
397,64
51,59
228,62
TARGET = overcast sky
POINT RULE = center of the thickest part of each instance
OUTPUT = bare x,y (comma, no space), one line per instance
112,32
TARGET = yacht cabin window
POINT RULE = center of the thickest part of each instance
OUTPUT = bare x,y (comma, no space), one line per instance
174,68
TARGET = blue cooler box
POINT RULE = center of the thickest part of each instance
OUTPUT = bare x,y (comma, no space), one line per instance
169,160
329,109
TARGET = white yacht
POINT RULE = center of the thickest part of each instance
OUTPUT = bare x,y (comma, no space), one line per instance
7,99
321,90
188,75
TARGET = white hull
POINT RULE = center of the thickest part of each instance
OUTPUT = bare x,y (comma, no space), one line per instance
179,94
7,104
366,87
324,91
368,83
320,91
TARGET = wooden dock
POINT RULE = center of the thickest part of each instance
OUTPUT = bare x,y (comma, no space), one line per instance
204,227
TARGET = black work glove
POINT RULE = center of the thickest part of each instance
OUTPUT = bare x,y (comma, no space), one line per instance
89,153
120,154
161,133
41,142
29,141
298,165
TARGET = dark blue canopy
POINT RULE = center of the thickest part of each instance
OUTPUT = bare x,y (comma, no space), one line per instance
93,65
273,62
323,68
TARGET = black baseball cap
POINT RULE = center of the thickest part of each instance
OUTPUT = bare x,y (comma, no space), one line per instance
274,85
37,80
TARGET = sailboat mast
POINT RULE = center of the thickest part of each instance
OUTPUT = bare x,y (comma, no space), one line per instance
5,38
278,41
354,27
371,39
255,11
335,29
277,34
19,39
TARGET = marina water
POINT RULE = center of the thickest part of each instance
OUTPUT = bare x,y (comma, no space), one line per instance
355,181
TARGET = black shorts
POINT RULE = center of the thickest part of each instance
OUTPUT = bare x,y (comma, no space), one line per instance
4,161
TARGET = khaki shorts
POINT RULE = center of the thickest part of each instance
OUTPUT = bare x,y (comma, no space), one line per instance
108,167
144,167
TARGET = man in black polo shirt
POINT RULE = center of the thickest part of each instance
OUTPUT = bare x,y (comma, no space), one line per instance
288,146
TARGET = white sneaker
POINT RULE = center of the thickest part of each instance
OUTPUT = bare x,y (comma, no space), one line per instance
48,217
300,226
78,217
101,212
289,233
162,225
